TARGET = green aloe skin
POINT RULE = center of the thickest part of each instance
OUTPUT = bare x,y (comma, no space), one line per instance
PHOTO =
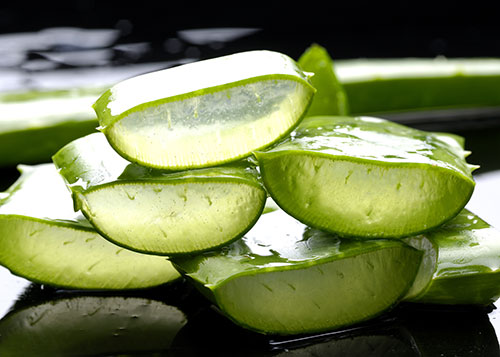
330,97
43,240
286,278
367,177
461,264
205,113
375,86
158,211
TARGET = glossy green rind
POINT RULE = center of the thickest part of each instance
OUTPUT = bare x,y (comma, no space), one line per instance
90,326
43,240
205,113
398,85
463,264
330,97
157,211
286,278
34,125
367,177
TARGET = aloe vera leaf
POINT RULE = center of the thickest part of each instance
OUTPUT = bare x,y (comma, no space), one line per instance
330,97
207,112
462,263
367,177
34,125
43,240
90,326
286,278
375,86
157,211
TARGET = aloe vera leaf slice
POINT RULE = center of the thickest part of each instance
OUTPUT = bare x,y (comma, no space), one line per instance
367,177
43,240
286,278
90,326
463,264
330,97
156,211
408,84
207,112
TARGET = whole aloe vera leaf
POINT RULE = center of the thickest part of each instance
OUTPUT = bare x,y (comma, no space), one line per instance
43,240
367,177
286,278
205,113
375,86
462,263
34,125
157,211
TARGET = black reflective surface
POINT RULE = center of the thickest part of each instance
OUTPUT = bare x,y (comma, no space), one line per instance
175,320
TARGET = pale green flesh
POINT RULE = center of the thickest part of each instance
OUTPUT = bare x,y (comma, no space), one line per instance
156,211
207,112
114,325
43,240
464,267
212,128
285,278
363,198
328,296
367,177
173,218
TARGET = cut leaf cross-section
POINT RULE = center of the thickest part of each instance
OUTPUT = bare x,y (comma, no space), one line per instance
207,112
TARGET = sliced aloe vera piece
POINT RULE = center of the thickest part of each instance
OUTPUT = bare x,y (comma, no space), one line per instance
286,278
367,177
207,112
408,84
156,211
42,239
90,326
330,97
461,264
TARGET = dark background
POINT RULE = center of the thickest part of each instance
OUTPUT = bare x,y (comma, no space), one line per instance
347,28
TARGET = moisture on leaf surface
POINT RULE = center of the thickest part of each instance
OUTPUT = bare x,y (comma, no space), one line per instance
461,264
367,177
43,240
286,278
157,211
207,112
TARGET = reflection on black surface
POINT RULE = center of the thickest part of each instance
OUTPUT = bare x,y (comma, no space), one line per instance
49,322
451,331
175,320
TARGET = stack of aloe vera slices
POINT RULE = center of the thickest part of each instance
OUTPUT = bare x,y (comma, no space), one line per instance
370,212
